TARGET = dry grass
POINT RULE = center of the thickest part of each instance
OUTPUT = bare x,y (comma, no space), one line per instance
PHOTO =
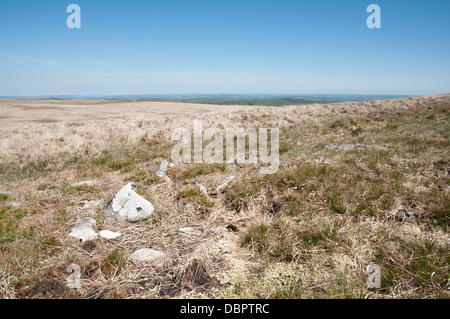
308,231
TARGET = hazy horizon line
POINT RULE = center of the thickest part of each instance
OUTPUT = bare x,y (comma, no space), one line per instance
71,96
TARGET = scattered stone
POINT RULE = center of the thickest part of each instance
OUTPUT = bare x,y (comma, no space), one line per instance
224,183
189,206
187,230
163,167
16,204
201,187
5,193
110,235
146,254
350,147
85,183
83,229
127,205
90,203
218,230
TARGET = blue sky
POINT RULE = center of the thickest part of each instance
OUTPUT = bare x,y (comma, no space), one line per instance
224,46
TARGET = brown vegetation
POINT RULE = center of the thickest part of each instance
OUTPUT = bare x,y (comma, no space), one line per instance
308,231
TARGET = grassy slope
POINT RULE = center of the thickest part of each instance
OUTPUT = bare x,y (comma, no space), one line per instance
310,230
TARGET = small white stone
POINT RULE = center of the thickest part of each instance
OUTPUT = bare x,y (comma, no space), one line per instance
85,222
201,187
110,235
188,206
224,183
218,230
85,183
146,254
16,204
162,168
90,203
83,230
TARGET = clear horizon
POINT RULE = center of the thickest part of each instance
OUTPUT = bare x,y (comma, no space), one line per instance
231,47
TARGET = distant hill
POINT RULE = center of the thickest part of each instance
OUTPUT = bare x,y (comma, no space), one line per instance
289,100
261,102
235,99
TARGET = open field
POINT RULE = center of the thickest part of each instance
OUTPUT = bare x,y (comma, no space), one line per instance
307,231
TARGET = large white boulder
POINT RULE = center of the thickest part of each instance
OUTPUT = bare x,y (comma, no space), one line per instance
127,205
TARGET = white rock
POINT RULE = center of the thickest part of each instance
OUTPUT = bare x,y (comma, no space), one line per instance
110,235
162,168
146,254
85,183
201,187
189,206
218,230
16,204
83,230
224,183
85,221
127,205
90,203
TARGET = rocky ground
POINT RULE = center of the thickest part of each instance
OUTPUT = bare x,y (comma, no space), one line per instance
91,206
